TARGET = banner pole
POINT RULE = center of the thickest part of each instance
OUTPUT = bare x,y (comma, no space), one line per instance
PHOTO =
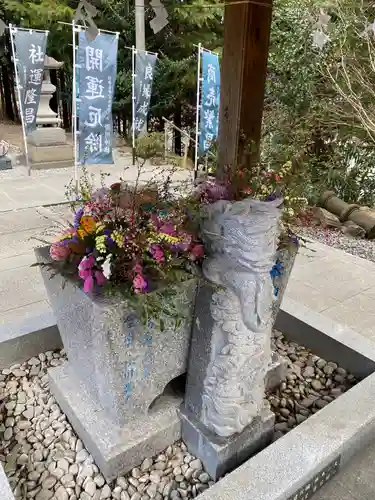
20,101
133,103
197,113
74,112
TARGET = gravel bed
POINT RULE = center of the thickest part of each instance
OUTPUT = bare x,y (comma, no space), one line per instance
311,384
44,459
335,238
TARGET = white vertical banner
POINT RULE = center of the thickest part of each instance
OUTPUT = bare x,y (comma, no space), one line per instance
197,112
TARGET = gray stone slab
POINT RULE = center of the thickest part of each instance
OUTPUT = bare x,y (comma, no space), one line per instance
200,350
327,338
337,432
28,335
115,449
356,481
5,491
47,136
23,260
5,163
221,455
20,287
18,243
125,364
24,220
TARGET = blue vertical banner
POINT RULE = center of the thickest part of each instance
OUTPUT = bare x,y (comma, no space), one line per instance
210,100
30,50
144,75
97,69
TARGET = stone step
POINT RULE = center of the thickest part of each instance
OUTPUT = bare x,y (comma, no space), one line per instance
26,331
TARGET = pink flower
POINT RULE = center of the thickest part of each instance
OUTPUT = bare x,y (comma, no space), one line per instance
88,285
58,251
100,278
157,253
138,268
139,284
85,267
168,228
87,263
197,251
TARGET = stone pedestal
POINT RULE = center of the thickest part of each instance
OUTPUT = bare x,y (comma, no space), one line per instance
222,455
5,163
118,387
48,147
224,418
116,449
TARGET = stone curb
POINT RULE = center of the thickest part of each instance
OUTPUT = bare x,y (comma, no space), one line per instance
326,338
5,491
20,341
299,463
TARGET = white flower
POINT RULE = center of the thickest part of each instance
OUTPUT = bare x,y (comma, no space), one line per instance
106,266
320,39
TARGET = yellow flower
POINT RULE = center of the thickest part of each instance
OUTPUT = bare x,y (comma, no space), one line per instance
118,238
169,239
100,243
290,212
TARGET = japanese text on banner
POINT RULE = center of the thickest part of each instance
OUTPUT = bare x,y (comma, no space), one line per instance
97,67
210,101
144,75
30,49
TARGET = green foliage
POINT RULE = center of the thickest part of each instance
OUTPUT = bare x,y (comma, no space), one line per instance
307,119
150,146
43,14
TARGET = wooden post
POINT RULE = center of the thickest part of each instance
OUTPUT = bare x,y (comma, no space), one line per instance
243,75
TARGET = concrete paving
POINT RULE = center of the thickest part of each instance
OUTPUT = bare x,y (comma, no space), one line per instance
336,284
356,481
47,187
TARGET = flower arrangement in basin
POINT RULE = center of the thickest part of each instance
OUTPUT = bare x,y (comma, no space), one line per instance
129,240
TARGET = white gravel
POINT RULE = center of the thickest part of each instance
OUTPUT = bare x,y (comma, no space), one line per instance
335,238
311,383
44,459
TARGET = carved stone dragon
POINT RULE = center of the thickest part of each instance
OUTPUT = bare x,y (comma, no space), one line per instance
242,241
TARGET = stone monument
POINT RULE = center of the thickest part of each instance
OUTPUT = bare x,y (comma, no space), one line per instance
225,418
48,147
5,161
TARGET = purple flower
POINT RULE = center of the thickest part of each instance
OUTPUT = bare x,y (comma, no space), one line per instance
272,196
212,190
77,217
